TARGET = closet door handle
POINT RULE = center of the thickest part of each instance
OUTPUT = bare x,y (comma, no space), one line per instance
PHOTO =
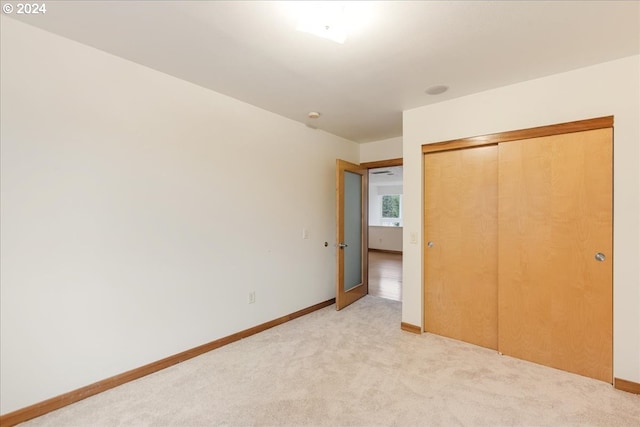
430,244
600,257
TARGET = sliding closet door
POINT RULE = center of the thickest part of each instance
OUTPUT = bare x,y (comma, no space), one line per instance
460,198
555,251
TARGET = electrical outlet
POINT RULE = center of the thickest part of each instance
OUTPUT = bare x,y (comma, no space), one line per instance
252,297
305,233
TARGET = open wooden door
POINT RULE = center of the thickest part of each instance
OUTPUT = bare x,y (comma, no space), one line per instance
351,233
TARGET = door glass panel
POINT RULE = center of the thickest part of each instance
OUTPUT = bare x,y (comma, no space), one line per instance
352,230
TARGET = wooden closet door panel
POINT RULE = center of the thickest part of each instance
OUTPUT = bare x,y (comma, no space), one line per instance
555,214
460,299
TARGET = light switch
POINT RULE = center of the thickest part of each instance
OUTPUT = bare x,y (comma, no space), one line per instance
413,237
305,233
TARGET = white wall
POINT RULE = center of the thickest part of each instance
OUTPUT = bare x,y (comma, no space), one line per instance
381,150
139,210
611,88
386,238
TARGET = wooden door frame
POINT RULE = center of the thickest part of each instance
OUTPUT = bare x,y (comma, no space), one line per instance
378,165
382,164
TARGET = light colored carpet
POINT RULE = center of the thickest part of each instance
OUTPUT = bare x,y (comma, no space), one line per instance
353,368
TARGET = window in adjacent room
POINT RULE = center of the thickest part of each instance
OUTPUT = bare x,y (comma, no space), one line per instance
391,206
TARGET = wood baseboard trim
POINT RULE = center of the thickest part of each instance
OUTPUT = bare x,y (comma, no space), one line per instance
411,328
386,251
625,385
41,408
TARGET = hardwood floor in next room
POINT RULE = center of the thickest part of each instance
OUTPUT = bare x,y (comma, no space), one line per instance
385,275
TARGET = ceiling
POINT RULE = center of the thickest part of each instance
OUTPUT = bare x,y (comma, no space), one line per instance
251,51
386,176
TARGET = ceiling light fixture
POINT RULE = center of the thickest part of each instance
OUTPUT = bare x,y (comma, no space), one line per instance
437,90
331,19
313,115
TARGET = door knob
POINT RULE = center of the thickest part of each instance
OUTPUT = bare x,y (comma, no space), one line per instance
342,245
430,244
600,257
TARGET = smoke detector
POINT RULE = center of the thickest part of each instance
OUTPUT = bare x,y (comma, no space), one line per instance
437,90
313,115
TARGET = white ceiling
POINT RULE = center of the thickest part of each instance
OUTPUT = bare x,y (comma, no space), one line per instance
250,50
386,176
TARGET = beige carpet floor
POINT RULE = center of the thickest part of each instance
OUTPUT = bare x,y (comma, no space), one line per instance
353,368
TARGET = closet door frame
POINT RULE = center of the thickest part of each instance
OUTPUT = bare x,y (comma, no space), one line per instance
515,135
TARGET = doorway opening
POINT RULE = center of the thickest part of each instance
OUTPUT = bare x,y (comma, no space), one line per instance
385,232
